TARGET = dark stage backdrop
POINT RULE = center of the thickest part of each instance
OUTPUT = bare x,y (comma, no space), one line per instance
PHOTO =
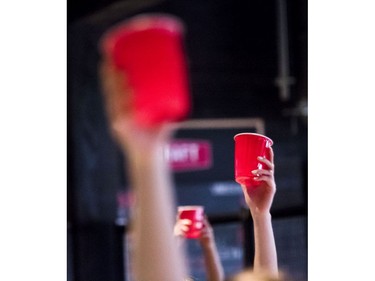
233,64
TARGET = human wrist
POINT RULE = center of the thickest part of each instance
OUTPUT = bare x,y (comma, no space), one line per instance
260,216
143,150
207,244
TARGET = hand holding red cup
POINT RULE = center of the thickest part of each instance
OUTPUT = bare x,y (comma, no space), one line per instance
248,147
190,221
148,50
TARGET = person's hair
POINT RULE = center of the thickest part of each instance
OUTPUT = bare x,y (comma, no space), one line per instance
249,275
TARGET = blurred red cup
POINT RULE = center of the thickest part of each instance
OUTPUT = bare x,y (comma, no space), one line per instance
196,215
248,146
149,49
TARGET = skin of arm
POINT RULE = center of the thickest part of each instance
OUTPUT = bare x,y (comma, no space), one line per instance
155,253
259,201
213,266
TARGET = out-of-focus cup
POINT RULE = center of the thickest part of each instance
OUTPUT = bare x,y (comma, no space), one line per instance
149,49
248,146
196,216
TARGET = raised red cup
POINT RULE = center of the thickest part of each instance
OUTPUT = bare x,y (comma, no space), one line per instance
248,146
196,215
149,49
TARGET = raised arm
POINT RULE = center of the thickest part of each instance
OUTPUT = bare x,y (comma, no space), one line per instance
259,201
155,254
214,268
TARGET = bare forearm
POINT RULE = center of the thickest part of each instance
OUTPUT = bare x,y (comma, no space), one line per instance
265,259
214,268
156,257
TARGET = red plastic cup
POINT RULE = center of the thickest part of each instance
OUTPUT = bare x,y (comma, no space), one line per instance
196,215
149,49
248,146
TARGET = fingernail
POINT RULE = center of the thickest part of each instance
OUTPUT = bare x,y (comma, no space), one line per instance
254,171
260,157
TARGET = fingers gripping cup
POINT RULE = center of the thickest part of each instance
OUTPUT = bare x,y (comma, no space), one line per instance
248,146
196,215
149,49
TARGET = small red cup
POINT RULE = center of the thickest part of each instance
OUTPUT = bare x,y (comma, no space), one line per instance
149,49
196,215
248,146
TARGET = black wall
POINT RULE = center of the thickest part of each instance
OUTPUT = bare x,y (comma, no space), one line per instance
233,63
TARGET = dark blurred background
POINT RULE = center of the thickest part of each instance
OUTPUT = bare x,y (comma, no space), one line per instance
247,62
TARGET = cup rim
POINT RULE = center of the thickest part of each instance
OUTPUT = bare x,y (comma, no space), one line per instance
142,22
253,134
190,207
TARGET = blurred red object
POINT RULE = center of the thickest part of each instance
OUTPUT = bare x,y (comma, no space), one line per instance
195,215
149,49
